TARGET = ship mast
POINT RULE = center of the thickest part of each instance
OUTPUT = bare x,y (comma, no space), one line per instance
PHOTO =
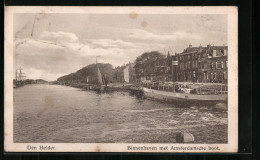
21,76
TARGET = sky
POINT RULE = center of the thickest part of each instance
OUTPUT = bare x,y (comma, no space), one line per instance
48,46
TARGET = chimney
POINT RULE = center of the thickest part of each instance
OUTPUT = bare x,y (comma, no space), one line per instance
190,46
214,53
200,48
208,46
225,52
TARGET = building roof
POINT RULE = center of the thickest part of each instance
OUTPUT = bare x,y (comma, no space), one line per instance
190,49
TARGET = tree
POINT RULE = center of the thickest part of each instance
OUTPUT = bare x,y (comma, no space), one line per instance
150,63
88,74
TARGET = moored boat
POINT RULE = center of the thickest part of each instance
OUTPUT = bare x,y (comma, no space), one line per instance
19,78
195,94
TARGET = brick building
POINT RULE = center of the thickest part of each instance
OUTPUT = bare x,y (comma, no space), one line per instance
200,64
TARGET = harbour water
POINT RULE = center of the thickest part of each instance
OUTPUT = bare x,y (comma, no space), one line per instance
60,114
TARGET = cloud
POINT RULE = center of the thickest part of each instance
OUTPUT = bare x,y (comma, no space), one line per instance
110,43
59,37
44,56
60,53
50,56
77,42
145,35
136,36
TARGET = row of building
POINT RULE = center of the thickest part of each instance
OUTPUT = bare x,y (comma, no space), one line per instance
200,64
195,64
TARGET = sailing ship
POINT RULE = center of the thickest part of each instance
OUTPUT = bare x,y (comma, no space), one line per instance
189,93
101,80
19,78
99,85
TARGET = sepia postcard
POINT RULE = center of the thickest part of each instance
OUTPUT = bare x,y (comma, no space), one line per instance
121,79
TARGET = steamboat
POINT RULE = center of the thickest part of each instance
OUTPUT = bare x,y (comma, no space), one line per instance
188,93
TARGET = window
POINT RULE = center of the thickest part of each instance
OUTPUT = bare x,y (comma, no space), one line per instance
220,75
194,74
225,75
227,64
217,77
218,65
222,64
212,65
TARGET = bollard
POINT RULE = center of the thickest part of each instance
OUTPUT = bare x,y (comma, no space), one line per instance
185,137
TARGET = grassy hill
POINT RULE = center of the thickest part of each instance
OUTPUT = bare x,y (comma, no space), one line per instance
89,74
